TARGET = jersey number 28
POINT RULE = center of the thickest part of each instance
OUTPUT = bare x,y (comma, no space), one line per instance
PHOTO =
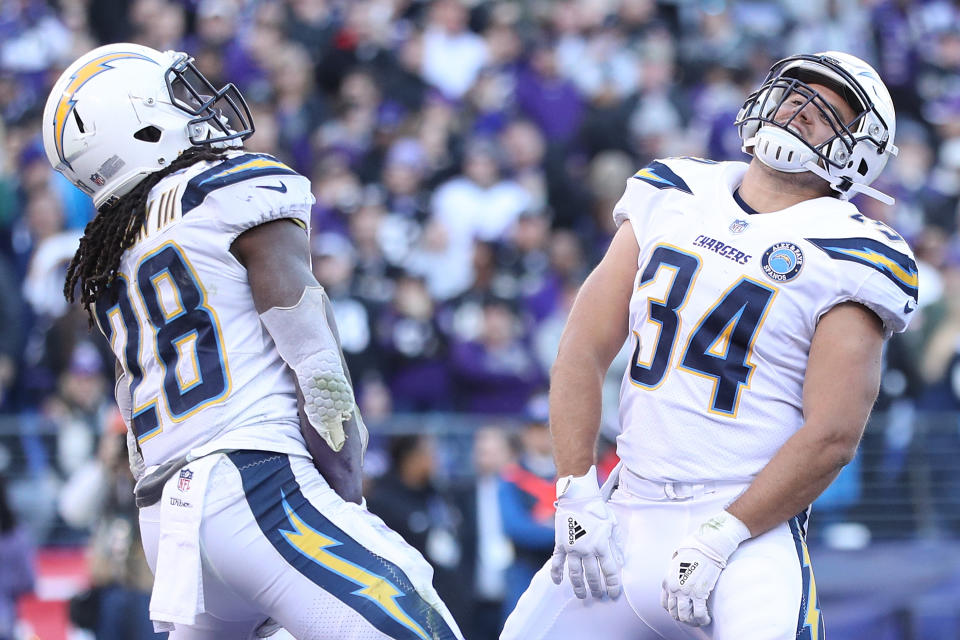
186,338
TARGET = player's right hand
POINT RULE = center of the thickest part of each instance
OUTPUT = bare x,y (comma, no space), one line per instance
587,538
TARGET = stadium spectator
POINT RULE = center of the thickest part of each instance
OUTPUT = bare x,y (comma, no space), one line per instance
452,54
526,502
413,349
491,548
479,204
409,501
547,97
496,373
98,498
16,558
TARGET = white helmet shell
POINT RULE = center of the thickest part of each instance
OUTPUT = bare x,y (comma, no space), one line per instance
856,155
123,111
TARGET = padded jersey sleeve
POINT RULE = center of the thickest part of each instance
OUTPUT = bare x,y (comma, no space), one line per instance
644,190
246,191
630,205
876,273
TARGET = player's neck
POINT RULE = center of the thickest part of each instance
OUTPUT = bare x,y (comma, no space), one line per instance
765,190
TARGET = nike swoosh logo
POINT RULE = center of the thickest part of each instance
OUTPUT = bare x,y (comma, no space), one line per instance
907,308
282,188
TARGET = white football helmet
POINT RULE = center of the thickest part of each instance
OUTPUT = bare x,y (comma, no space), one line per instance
857,152
123,111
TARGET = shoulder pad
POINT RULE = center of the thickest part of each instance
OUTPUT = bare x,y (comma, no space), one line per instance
246,191
659,175
671,178
229,172
899,268
884,279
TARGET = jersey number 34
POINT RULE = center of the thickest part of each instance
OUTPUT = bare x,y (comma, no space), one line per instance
719,346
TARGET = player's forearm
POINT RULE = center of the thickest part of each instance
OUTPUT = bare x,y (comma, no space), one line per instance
595,331
803,468
576,383
841,385
341,469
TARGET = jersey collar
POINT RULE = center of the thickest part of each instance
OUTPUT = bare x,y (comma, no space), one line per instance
743,205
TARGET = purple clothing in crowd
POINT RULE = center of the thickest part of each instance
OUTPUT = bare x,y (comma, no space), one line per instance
554,105
16,576
494,382
545,299
421,386
413,357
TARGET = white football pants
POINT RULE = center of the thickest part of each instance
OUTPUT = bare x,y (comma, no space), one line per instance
766,592
276,541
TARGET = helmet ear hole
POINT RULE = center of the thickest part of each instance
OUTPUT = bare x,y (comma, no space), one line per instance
76,116
148,134
863,168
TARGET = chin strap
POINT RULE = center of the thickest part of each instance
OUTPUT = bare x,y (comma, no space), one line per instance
852,190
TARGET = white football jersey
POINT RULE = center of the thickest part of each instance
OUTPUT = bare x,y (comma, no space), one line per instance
181,320
723,312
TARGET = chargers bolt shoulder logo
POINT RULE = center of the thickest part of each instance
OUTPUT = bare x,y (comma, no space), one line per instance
782,262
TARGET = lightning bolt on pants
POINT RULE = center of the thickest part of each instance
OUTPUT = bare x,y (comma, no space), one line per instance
277,542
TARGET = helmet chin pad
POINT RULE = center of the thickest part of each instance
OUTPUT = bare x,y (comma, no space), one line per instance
780,149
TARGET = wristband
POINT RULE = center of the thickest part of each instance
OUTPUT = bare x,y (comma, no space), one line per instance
574,487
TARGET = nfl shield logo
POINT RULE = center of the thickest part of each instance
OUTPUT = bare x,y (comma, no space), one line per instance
98,179
738,226
185,476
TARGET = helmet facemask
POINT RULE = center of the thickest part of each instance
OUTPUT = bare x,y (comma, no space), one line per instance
222,114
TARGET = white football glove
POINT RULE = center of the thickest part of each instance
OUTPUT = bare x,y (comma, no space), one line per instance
696,566
587,538
327,395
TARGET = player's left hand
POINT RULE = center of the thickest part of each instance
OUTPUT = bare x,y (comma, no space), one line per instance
696,566
587,538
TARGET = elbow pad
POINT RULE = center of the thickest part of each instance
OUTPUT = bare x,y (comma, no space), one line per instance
306,343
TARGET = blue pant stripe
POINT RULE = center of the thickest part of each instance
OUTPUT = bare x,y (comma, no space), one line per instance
374,587
810,620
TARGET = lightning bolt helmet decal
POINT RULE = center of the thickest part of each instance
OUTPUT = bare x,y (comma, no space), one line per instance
79,78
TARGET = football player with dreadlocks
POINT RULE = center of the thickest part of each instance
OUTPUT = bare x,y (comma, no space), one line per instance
757,299
196,268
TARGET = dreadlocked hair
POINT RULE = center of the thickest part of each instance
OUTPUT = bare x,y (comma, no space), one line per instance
115,229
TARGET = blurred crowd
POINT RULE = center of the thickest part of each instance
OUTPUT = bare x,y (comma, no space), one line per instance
465,156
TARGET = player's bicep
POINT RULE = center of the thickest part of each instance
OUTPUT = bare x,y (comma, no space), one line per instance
276,256
597,320
843,373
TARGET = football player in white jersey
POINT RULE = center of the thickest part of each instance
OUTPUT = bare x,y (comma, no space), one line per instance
757,300
197,270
